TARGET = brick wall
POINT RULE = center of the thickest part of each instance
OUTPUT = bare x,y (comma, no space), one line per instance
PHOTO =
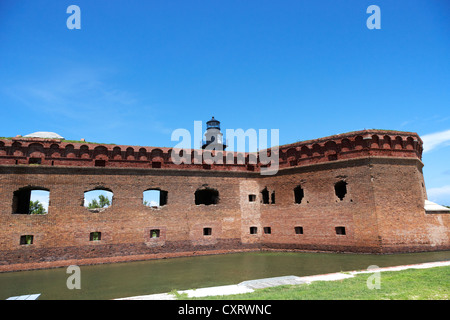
382,210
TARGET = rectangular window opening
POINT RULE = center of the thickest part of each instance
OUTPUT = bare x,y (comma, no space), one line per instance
298,230
340,231
253,230
156,164
252,197
267,230
30,201
207,231
34,161
265,196
26,239
95,236
154,233
100,163
332,157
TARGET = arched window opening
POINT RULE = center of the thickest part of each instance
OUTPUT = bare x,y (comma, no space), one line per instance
340,188
267,197
98,200
298,194
206,196
155,198
31,200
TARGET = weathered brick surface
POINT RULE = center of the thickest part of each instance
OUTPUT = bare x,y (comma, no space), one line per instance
383,210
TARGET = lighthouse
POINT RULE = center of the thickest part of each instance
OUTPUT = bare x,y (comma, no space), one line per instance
213,136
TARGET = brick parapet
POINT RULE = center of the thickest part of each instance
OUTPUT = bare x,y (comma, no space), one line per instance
54,152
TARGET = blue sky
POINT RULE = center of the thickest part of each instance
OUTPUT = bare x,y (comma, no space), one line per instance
137,70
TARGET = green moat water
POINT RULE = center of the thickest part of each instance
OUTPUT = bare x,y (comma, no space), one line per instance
121,280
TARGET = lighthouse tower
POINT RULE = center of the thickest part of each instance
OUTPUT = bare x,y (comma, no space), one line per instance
213,136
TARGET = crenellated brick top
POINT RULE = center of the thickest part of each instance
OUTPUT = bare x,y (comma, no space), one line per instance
387,143
55,152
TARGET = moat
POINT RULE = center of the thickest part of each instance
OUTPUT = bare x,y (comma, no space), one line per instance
121,280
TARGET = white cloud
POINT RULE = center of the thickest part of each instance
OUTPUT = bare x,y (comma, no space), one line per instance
433,140
81,96
440,195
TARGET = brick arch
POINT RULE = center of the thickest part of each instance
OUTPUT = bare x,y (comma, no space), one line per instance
2,149
117,153
359,143
129,154
331,146
142,155
282,155
305,152
398,143
375,142
252,158
184,155
196,154
409,143
220,155
84,152
157,153
316,150
36,150
16,149
291,154
387,142
54,151
167,154
69,151
346,145
101,152
331,150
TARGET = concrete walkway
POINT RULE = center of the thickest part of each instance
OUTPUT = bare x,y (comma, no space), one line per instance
252,285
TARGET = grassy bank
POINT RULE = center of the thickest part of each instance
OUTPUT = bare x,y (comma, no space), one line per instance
428,284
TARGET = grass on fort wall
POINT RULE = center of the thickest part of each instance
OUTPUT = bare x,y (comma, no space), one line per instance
411,284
